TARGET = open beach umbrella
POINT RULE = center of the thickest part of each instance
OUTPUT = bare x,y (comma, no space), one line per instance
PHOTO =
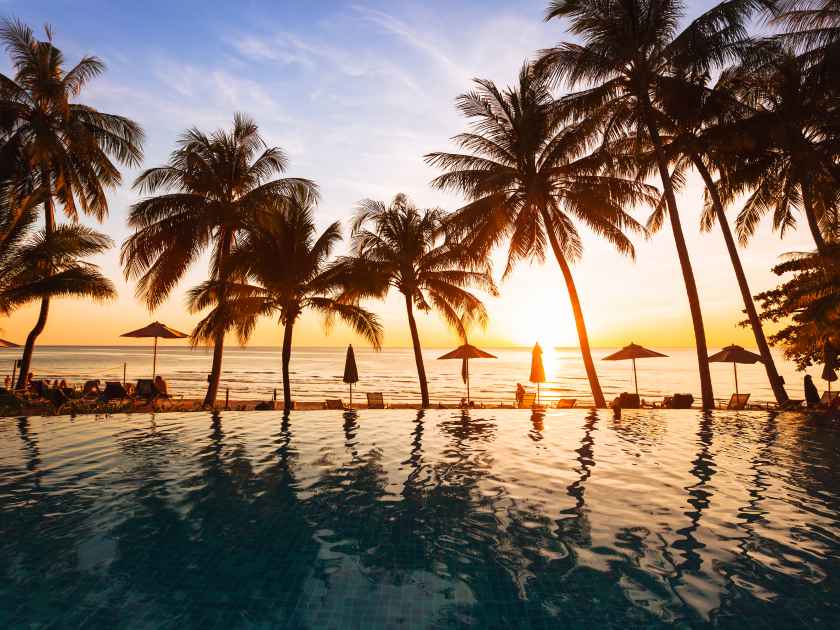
465,353
156,329
351,373
8,344
634,351
735,354
829,373
537,370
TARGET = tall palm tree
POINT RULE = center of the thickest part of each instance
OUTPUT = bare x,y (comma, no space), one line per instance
527,180
792,145
399,246
812,28
291,271
214,187
628,47
700,120
49,265
68,149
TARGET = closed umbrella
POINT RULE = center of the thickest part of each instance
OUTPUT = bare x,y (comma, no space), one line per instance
735,354
537,369
156,329
634,351
351,373
829,373
465,353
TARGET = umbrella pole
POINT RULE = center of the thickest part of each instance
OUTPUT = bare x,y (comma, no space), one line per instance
468,381
154,361
351,394
635,377
735,367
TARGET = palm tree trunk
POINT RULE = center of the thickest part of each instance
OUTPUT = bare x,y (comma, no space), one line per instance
813,224
418,355
225,244
29,347
41,323
758,331
687,272
287,355
580,323
215,371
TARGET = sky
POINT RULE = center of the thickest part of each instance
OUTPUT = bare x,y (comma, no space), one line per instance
356,93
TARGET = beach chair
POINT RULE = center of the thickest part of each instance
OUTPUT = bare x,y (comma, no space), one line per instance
738,402
682,401
566,403
147,390
333,403
626,400
114,390
375,400
39,389
91,389
527,401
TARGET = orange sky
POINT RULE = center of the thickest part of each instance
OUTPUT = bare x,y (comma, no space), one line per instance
356,114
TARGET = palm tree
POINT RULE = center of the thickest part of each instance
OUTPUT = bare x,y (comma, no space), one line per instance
50,264
67,148
812,28
214,187
399,246
791,141
527,181
291,270
700,119
628,47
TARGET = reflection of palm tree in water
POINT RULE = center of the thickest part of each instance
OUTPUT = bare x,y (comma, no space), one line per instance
574,527
703,469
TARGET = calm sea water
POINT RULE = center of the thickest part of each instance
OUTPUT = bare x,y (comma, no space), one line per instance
254,373
399,519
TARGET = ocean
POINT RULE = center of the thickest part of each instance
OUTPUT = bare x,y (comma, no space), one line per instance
253,373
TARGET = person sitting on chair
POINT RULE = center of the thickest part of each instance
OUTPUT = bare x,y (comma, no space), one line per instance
160,385
812,395
520,394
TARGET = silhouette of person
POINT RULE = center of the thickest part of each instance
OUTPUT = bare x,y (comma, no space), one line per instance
812,396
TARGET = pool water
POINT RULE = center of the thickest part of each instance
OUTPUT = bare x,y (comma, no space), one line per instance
399,519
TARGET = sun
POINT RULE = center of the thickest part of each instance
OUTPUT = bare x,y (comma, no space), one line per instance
547,322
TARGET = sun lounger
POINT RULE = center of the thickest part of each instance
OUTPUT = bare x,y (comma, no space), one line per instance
626,400
333,403
375,400
39,388
678,401
738,402
527,401
566,403
114,390
147,390
91,388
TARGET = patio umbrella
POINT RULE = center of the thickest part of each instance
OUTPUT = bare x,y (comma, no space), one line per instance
829,373
8,344
537,369
465,353
735,354
351,373
156,329
634,351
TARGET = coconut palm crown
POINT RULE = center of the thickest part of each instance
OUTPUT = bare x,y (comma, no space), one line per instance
400,246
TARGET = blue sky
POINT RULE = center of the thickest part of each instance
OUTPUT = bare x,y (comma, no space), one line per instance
356,93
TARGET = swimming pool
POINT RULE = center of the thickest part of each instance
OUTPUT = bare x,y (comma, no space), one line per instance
409,520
